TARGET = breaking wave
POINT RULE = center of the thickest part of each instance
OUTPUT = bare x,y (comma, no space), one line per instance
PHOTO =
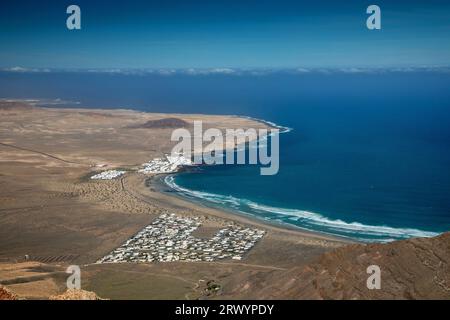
43,102
303,219
282,129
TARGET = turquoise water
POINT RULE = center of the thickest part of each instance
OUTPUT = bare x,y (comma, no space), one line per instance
372,167
368,157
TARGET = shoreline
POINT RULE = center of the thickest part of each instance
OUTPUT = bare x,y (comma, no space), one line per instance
189,195
271,124
53,216
139,114
159,186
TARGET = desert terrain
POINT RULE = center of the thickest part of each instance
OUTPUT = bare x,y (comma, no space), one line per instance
53,215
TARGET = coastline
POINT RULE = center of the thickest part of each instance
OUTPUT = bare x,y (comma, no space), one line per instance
271,124
56,217
79,156
157,183
312,222
148,189
236,119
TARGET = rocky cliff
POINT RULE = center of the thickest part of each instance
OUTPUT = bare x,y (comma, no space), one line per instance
410,269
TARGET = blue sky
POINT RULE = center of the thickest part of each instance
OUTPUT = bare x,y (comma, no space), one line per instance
216,33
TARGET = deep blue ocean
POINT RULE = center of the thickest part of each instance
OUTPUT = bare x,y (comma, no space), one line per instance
368,156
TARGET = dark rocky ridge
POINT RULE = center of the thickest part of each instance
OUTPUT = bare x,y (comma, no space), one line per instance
161,124
410,269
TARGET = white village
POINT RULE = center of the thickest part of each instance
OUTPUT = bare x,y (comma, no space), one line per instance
108,175
170,164
169,238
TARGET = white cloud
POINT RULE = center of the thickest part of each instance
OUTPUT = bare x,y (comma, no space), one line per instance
22,69
16,69
240,72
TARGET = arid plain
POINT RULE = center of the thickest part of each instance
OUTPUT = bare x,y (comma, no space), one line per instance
53,215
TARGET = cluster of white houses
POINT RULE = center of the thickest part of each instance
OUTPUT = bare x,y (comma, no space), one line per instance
169,238
167,165
108,175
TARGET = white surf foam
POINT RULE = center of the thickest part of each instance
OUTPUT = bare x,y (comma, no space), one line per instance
306,219
282,129
342,226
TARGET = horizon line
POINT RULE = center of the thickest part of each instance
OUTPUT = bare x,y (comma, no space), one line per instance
231,70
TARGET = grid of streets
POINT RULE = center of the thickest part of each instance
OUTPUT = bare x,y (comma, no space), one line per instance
169,238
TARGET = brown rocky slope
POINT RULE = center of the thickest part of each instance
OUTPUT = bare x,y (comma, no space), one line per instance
73,294
410,269
6,294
